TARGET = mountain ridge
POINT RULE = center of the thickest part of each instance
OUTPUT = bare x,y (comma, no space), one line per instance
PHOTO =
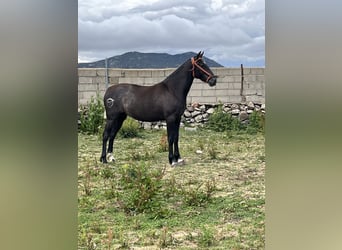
139,60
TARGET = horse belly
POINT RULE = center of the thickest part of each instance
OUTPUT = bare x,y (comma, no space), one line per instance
147,114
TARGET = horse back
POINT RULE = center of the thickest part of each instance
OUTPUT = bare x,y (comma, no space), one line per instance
144,103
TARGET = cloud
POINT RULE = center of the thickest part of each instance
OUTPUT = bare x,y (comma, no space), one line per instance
225,29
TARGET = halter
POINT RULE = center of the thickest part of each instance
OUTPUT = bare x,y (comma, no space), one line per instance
194,63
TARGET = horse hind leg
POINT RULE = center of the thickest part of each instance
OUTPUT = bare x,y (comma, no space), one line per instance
105,137
117,124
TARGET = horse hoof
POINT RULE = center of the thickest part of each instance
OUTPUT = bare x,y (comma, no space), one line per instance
178,163
103,160
110,157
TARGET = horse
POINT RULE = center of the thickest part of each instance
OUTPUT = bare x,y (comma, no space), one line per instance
163,101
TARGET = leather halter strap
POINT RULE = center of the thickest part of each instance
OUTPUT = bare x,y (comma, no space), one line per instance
194,64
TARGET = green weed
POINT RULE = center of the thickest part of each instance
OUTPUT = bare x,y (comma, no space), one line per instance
91,116
130,128
140,189
206,237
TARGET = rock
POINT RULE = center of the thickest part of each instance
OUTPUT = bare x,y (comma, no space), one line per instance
243,107
250,111
198,118
190,128
235,111
195,113
226,109
187,113
190,108
211,111
147,125
202,108
263,106
243,116
199,152
235,106
205,115
250,105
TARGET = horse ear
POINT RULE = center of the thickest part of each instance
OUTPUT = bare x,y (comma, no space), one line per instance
202,53
199,54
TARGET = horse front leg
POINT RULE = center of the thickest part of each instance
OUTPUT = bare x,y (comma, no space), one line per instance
177,157
173,135
171,139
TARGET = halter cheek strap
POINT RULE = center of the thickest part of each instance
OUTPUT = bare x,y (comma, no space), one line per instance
194,63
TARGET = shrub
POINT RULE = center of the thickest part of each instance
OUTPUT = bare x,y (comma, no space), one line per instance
91,116
141,190
220,121
130,128
163,143
197,197
206,237
256,123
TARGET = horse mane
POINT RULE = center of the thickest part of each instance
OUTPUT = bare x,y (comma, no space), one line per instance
176,71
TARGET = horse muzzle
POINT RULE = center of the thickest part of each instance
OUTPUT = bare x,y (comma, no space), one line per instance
212,81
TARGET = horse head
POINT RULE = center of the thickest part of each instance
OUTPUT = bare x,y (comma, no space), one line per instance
201,70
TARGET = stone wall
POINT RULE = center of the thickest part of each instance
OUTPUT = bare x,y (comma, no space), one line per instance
198,114
229,88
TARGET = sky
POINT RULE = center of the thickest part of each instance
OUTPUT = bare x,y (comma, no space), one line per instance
231,32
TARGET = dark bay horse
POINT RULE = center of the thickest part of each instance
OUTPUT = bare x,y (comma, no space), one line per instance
163,101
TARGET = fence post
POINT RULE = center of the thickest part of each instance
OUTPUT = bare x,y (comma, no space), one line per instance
243,98
106,65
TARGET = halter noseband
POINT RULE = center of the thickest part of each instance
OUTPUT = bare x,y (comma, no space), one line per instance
194,63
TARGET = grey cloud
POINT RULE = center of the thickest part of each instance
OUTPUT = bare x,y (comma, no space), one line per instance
174,26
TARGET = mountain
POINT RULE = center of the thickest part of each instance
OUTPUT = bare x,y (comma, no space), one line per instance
137,60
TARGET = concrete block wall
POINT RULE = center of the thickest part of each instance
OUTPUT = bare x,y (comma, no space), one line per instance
227,90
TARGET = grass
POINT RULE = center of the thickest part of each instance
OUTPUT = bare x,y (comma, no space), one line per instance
215,201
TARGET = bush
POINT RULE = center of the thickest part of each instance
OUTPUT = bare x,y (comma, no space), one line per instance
91,116
141,190
256,123
130,128
220,121
206,237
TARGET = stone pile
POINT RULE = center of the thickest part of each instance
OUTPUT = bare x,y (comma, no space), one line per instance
197,114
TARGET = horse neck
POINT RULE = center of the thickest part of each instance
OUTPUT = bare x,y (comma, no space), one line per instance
180,81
